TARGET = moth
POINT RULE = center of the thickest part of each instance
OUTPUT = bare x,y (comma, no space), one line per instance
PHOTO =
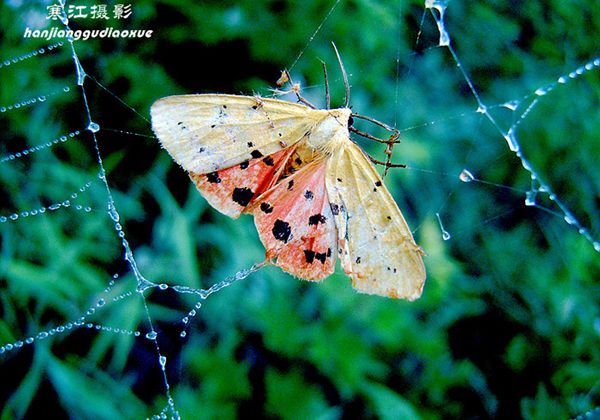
314,194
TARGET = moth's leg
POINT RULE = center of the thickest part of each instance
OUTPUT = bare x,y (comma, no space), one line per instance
296,90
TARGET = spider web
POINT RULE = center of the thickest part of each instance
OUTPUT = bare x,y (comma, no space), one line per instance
78,269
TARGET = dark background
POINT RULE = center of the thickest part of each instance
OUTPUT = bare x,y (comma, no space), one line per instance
508,325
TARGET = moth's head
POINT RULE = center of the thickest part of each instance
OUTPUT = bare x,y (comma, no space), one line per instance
343,115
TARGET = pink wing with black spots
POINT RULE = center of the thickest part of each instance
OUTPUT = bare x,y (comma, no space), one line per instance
231,190
296,226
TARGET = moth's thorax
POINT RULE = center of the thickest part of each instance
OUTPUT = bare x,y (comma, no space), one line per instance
331,131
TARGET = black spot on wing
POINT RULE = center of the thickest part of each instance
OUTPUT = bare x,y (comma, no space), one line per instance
308,195
309,255
268,161
202,149
298,161
321,256
315,219
256,154
357,260
378,184
213,178
242,196
244,164
290,184
281,230
266,207
335,209
250,144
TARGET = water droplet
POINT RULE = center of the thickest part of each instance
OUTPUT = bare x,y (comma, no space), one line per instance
466,176
13,216
444,37
41,98
42,335
29,340
541,91
151,335
185,320
512,141
446,235
54,206
93,127
530,197
163,286
162,360
512,105
3,109
183,334
112,211
8,347
66,89
3,219
101,302
482,109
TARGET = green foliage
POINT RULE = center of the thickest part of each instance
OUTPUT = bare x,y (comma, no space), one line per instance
508,323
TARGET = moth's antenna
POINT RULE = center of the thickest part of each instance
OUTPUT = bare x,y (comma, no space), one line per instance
344,75
327,98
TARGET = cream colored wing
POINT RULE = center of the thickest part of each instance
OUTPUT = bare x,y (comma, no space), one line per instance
206,133
376,246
